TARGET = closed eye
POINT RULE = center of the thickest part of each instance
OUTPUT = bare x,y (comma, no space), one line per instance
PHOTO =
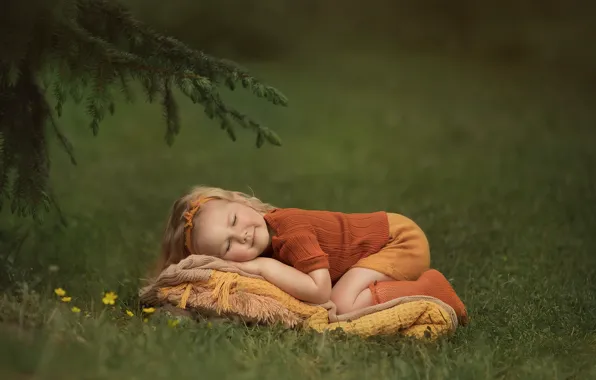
229,240
229,243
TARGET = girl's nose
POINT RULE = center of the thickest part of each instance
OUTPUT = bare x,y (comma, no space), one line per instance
242,236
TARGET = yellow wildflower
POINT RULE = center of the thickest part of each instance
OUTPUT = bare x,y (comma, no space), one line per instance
75,309
109,298
148,310
145,320
60,292
130,313
173,322
209,325
66,299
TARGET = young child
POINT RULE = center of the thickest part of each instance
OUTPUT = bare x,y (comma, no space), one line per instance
355,260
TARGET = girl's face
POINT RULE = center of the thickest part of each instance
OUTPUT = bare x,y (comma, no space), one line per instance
231,230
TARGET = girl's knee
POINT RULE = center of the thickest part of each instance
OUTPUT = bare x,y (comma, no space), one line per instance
352,292
345,305
342,303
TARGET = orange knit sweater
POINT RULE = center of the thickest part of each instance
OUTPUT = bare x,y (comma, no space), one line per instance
310,239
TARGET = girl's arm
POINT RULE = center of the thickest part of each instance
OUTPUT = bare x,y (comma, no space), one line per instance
314,287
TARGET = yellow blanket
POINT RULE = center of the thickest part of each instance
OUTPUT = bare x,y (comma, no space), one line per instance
211,287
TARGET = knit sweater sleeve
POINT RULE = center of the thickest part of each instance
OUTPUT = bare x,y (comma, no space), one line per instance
301,250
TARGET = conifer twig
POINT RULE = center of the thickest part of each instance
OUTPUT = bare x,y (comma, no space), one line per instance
81,50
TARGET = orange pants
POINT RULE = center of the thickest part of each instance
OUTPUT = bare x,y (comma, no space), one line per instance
406,256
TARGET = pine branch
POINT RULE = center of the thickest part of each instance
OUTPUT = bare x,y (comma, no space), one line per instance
25,110
83,50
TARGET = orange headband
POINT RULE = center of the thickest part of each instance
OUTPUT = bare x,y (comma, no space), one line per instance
189,216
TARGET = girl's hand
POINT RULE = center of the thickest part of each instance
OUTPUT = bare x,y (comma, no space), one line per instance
251,267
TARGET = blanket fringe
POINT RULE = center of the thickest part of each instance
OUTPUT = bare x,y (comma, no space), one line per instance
222,287
185,296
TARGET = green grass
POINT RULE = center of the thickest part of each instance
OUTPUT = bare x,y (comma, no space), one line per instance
497,167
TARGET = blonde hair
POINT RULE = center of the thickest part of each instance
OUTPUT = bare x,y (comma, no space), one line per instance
172,246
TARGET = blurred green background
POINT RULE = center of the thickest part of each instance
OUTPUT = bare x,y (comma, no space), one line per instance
546,33
475,119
